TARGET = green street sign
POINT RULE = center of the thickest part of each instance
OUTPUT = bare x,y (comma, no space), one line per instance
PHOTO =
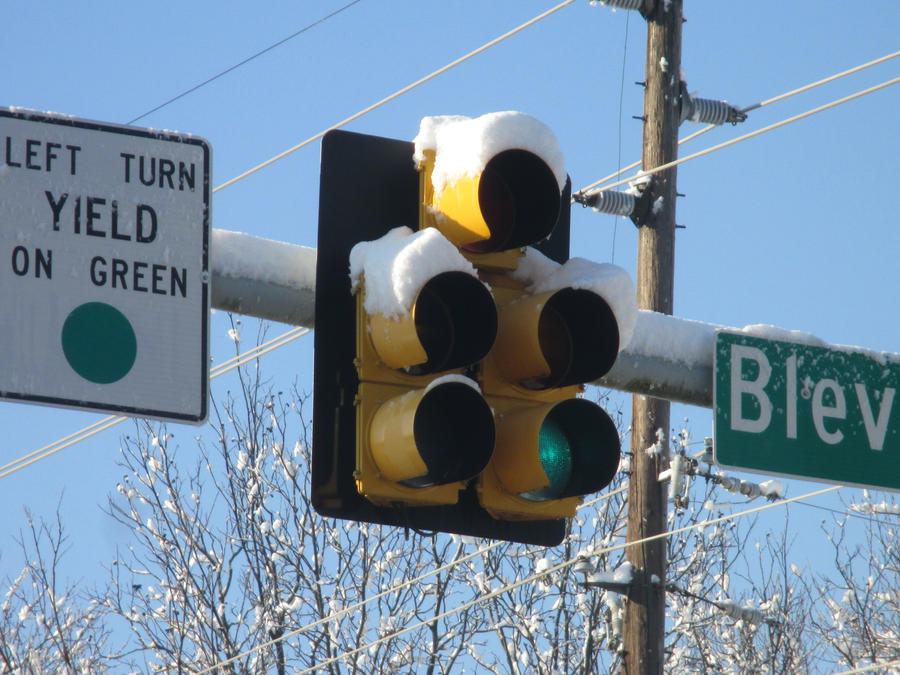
805,411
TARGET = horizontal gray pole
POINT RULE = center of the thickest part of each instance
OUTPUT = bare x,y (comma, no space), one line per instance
667,357
260,277
672,358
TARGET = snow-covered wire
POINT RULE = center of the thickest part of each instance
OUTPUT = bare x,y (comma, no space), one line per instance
850,514
871,667
509,587
730,608
755,106
759,132
398,93
113,420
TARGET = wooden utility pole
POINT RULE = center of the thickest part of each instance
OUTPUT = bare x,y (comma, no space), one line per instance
644,628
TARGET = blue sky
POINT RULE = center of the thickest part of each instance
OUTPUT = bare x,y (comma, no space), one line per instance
797,228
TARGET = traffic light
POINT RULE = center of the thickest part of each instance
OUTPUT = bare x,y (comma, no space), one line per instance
552,447
448,363
421,313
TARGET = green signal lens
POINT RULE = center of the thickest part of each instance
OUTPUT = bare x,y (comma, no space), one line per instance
555,453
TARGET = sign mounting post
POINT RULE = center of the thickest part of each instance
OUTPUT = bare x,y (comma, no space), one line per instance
104,266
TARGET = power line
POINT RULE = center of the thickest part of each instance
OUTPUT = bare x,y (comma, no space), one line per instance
619,144
244,62
57,442
755,106
398,93
759,132
113,420
53,448
871,667
851,514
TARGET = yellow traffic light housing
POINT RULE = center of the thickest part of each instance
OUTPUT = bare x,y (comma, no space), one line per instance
452,323
553,339
411,447
419,438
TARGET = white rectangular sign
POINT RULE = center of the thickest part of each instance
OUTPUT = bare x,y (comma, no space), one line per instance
104,278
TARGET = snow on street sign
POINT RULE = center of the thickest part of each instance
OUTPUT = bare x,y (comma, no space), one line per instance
104,280
807,411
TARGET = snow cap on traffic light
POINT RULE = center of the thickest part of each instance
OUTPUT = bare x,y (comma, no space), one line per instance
464,145
610,282
399,264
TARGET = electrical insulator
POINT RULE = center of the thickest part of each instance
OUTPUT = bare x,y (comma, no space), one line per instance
616,615
609,201
709,111
620,4
747,614
676,478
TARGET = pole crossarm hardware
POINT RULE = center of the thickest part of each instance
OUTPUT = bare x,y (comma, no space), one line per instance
708,110
638,203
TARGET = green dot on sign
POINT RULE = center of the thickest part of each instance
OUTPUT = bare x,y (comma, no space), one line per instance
99,342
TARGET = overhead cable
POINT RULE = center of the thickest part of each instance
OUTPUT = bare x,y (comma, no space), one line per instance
521,582
758,132
872,667
755,106
245,61
397,94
